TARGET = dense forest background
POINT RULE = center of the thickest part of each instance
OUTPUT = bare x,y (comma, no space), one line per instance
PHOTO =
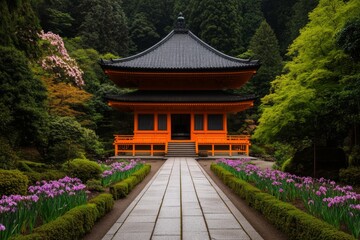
52,90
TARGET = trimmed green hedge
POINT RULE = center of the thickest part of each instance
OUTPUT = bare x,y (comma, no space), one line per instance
75,223
83,169
122,189
295,223
13,182
104,203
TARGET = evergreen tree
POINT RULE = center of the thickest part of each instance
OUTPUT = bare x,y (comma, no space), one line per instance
19,26
264,47
218,23
55,16
300,17
252,17
159,13
104,27
21,100
143,32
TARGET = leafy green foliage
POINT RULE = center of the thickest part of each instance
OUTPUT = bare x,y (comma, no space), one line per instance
19,26
21,99
104,22
83,169
218,23
350,176
13,182
67,139
349,39
308,101
143,32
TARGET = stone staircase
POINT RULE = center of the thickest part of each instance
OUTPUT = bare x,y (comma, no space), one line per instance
181,149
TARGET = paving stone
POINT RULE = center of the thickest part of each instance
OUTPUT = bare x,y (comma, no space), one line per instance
225,216
195,235
167,237
141,219
133,236
167,226
169,212
193,224
136,227
228,234
223,224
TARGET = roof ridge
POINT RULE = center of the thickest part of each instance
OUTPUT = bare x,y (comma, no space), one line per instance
150,49
217,52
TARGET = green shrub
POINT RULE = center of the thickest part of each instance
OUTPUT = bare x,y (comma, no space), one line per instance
295,223
47,176
350,176
119,190
104,203
94,185
83,169
122,189
13,182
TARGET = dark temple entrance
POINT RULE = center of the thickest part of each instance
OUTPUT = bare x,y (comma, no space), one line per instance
180,126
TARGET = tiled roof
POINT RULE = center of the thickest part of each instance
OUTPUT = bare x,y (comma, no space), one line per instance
181,50
179,96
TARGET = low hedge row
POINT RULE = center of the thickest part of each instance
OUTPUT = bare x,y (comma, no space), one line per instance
75,223
122,189
13,182
295,223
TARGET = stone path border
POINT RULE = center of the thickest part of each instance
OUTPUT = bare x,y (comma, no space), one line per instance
181,202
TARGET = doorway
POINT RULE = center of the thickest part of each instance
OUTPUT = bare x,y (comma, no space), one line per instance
180,126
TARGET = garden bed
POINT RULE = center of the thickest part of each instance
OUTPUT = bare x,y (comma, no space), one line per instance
51,206
292,221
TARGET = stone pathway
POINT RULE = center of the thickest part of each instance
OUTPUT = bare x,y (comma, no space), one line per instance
181,202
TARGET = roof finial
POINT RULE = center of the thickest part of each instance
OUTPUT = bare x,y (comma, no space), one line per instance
180,23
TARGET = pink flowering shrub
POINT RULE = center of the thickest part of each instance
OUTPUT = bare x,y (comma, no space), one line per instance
47,201
59,62
335,204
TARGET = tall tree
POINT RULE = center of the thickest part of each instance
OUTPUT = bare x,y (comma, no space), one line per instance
19,26
299,19
22,99
286,18
218,23
252,17
264,46
104,27
159,13
143,32
312,92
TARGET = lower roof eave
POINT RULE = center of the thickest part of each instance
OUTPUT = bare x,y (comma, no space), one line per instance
230,107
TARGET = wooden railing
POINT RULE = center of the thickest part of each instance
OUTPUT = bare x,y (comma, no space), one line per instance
233,143
158,144
125,144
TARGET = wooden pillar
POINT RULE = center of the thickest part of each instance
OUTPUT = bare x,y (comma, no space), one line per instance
116,149
230,149
133,150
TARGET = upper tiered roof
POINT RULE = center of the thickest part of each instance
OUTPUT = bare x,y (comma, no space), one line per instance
180,61
181,51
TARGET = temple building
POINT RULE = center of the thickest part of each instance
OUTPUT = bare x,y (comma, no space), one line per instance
180,99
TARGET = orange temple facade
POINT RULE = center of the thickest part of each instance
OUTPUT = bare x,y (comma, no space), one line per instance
181,98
